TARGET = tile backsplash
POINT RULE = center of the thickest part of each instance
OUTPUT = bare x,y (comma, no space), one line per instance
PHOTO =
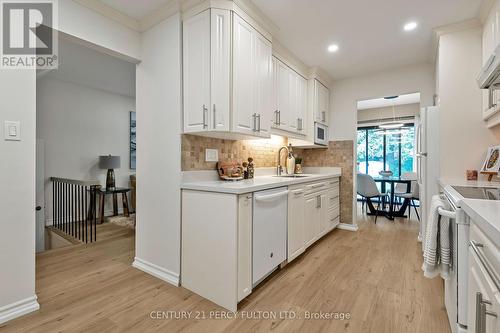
339,154
264,152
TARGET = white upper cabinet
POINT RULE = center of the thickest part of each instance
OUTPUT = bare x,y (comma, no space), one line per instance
263,83
220,33
252,80
321,102
211,58
244,120
290,100
196,54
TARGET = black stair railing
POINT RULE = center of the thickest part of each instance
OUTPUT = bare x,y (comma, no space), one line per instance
74,207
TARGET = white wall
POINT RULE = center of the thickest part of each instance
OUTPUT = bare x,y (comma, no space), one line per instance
17,195
78,124
159,151
17,198
346,93
464,136
87,25
405,110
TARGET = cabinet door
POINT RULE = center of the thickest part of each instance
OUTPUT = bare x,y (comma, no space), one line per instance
293,88
263,83
296,232
323,215
196,72
220,69
244,120
283,87
301,113
311,224
244,246
479,282
322,102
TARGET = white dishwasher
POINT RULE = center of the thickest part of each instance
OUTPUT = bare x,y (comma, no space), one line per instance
270,209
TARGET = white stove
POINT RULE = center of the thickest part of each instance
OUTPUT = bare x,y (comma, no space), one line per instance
456,285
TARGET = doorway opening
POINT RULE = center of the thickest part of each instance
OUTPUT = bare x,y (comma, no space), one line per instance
387,183
85,129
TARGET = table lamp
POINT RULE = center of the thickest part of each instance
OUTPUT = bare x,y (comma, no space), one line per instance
110,163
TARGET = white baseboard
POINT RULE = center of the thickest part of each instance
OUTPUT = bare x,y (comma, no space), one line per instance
349,227
19,308
157,271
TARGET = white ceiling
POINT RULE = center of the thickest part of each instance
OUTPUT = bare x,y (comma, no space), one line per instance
369,33
135,8
382,102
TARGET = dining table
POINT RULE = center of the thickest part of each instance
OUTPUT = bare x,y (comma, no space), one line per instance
390,181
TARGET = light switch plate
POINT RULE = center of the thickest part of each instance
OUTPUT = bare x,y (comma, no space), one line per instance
12,130
211,155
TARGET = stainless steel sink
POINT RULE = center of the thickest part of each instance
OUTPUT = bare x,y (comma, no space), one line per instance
292,176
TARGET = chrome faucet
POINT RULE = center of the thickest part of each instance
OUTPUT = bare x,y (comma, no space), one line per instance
279,168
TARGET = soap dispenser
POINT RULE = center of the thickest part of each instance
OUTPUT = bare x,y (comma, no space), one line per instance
290,161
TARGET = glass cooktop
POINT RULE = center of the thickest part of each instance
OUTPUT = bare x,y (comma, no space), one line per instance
485,193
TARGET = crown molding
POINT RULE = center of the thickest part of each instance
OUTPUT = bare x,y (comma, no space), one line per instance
110,12
484,10
473,23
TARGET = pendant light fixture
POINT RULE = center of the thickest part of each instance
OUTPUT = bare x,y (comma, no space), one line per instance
393,124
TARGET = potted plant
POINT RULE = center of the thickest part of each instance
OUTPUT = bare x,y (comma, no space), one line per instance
298,164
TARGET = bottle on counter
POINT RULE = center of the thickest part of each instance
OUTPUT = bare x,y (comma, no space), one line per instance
290,161
250,168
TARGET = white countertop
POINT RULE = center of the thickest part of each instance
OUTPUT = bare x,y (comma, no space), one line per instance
486,215
258,183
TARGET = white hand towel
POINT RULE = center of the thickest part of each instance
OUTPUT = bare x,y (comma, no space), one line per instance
437,251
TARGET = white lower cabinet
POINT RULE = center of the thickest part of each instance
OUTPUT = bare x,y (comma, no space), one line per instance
244,245
312,223
483,296
216,260
219,229
313,211
296,215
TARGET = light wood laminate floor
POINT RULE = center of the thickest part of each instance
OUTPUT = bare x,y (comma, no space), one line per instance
373,274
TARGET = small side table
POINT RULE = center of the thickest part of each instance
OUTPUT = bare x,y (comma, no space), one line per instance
103,192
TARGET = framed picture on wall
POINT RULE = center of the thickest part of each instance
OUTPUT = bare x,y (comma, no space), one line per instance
492,163
133,140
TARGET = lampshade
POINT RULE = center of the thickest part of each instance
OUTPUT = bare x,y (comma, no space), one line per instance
109,162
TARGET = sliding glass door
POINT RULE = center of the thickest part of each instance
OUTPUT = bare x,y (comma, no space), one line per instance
379,149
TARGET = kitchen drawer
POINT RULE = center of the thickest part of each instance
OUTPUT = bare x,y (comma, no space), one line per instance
334,182
488,249
316,187
333,199
333,213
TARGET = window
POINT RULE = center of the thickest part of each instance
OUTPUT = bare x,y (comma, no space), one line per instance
380,149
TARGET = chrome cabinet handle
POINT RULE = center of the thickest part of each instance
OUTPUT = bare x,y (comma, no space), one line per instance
323,116
491,272
279,117
254,122
205,113
258,122
481,326
479,322
215,117
317,185
299,124
318,201
276,119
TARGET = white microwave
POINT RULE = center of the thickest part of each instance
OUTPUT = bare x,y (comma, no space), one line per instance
320,134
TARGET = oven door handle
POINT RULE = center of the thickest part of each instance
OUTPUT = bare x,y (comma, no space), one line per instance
447,213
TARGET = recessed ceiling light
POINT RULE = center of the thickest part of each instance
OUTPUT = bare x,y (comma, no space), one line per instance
333,48
410,26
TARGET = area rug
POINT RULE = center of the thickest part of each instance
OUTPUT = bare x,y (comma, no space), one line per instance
123,221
